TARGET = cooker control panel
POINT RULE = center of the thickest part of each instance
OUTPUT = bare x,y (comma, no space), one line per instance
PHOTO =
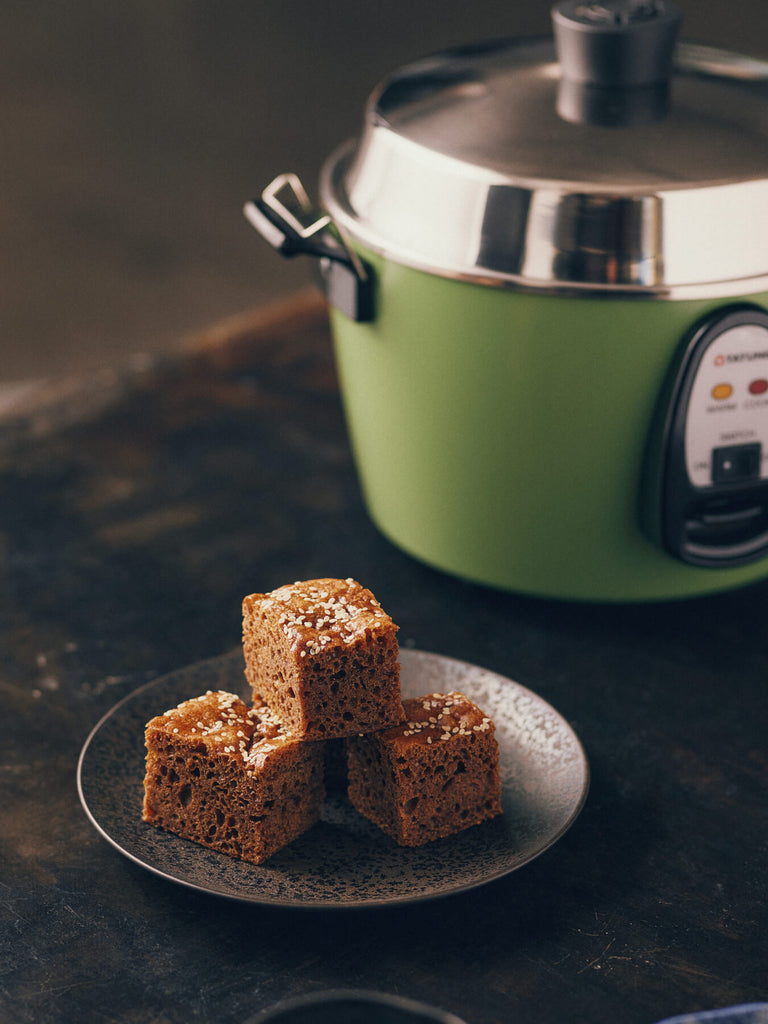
712,495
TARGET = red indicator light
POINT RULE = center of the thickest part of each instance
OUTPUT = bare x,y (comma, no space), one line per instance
758,387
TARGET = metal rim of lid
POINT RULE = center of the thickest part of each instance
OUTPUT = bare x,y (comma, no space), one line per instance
405,202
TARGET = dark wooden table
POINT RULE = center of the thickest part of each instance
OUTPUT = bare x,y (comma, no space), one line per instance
136,510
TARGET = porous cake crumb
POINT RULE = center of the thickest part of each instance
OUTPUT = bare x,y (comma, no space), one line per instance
436,775
230,777
323,654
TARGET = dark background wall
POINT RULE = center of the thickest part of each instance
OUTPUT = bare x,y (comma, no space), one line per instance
133,132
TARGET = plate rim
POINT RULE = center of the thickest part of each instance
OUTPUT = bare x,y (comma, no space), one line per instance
330,903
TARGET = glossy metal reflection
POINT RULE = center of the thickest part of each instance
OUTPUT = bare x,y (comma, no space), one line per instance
465,169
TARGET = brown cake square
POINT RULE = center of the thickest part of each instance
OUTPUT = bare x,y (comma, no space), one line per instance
434,776
323,654
230,777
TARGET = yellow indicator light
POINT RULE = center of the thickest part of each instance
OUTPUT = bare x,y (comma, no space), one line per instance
721,391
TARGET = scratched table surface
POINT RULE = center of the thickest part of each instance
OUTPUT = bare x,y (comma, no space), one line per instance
136,510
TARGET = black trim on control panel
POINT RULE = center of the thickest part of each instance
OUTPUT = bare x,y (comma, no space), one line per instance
724,524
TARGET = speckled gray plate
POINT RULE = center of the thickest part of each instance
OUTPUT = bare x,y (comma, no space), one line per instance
344,861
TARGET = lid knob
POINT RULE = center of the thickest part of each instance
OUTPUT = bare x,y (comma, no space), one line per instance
615,59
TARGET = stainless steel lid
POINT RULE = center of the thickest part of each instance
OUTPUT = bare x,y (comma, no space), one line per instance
488,164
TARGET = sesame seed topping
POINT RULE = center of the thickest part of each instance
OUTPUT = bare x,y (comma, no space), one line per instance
313,614
228,726
443,717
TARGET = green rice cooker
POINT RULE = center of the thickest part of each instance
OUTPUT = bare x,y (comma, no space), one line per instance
546,262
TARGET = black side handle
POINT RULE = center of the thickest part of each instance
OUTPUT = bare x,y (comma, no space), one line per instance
285,218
